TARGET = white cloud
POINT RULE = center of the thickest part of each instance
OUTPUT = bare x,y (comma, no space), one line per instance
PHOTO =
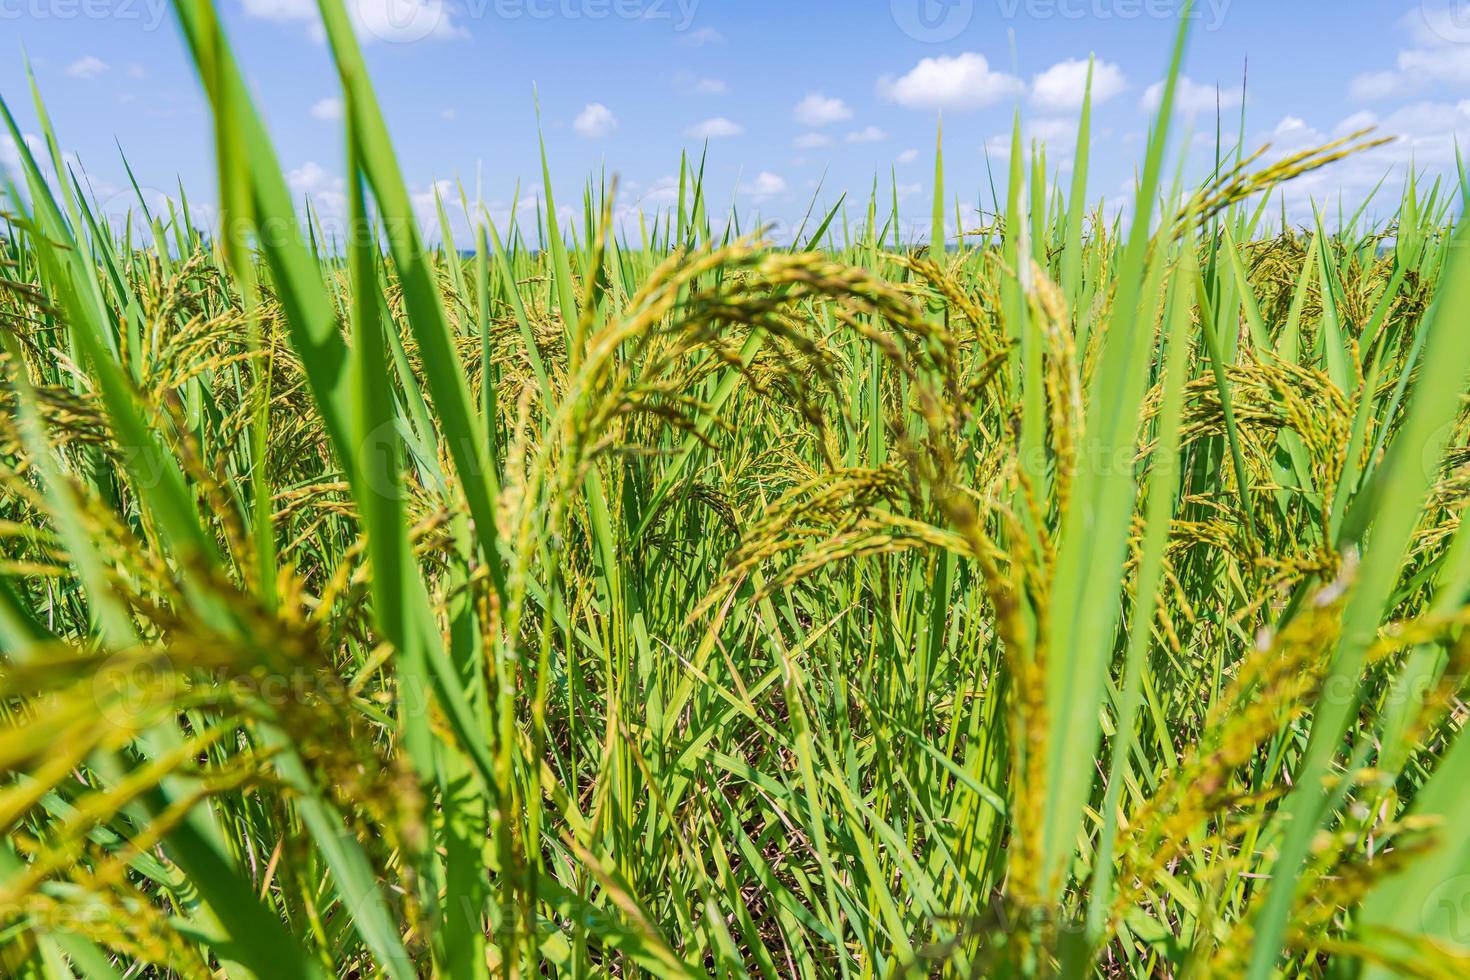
812,141
1450,63
1423,138
701,37
662,193
709,86
691,84
1375,85
870,134
86,67
426,204
40,152
327,109
1440,54
1291,126
1418,69
10,153
325,190
137,71
281,10
1059,136
1062,86
1356,123
1191,97
960,82
908,156
1059,133
531,199
596,121
393,21
766,185
1426,132
312,178
821,110
717,128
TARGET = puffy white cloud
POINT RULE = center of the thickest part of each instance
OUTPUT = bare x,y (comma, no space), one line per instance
1062,86
596,121
908,156
1053,131
1418,69
10,153
1375,85
1439,54
662,193
1058,135
1291,126
1423,135
393,21
821,110
1449,63
426,205
1356,123
717,128
1192,98
327,109
869,134
1425,132
326,191
959,82
767,185
86,67
312,178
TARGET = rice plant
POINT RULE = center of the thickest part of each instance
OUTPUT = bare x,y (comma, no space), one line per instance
1085,597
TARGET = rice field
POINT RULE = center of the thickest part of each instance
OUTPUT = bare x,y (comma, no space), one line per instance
1084,598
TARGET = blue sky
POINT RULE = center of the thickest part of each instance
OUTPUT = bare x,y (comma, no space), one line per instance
785,90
